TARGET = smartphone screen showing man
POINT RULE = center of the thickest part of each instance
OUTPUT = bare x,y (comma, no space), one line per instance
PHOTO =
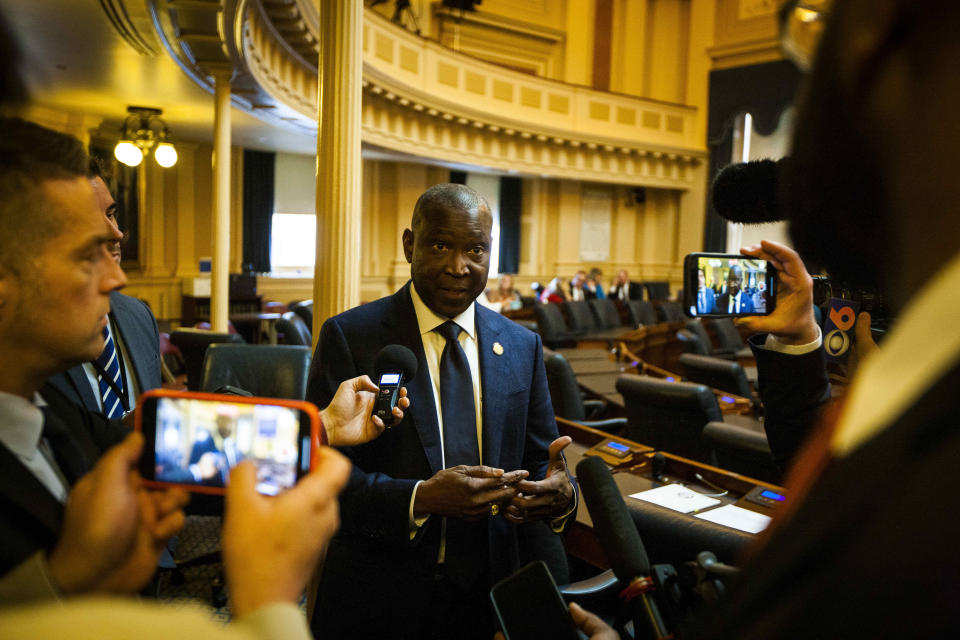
196,442
721,285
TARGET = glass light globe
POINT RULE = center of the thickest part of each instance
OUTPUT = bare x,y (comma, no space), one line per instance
165,155
128,153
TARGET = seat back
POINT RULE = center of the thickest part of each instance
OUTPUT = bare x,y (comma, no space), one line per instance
606,314
550,323
728,336
692,343
657,290
304,309
726,375
741,450
564,392
669,415
579,316
695,326
670,311
193,344
294,329
268,371
642,313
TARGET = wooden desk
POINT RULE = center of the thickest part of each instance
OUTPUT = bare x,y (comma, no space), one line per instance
670,533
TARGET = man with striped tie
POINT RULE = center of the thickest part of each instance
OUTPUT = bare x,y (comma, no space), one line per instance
130,361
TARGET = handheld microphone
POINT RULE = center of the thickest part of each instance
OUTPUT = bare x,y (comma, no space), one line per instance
394,364
746,192
618,536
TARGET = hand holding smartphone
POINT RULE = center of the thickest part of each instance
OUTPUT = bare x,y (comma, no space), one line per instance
194,439
529,606
718,285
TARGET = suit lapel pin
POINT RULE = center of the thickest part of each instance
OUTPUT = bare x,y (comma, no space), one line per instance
498,348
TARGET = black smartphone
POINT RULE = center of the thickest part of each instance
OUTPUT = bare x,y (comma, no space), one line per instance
529,606
718,285
194,439
389,384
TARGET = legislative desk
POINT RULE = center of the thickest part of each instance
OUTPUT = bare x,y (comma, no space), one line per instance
669,536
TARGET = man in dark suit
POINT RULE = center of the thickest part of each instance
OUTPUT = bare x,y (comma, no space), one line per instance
706,301
735,299
130,363
429,516
624,289
579,292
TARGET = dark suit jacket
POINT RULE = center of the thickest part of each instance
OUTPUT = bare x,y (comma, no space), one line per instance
634,291
746,303
30,517
794,390
372,563
872,550
587,293
138,330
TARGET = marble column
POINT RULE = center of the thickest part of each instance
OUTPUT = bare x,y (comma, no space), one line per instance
336,285
220,269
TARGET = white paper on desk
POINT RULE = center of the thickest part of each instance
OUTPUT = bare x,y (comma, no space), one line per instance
676,497
737,518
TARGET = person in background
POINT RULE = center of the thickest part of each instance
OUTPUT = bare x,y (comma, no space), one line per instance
624,289
578,290
593,283
553,292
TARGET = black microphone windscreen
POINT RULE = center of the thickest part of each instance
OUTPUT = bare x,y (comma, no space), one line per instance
747,192
396,357
611,520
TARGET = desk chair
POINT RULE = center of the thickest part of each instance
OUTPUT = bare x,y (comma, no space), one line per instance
606,314
718,373
642,313
657,290
669,415
304,309
728,338
568,400
193,344
269,371
552,326
670,311
692,343
294,329
582,322
745,451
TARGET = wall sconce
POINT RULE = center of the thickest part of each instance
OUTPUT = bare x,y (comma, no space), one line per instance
143,130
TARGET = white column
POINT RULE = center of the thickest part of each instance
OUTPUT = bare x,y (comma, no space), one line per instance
336,284
220,270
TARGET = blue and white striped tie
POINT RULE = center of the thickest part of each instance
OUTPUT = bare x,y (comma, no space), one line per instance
110,364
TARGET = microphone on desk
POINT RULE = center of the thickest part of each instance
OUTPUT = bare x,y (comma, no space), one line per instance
394,364
618,536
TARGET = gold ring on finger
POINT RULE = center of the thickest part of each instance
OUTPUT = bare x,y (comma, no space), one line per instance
494,509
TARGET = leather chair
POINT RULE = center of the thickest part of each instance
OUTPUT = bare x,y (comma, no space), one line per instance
692,343
669,415
193,344
294,329
695,326
552,326
606,314
718,373
728,338
582,322
670,311
642,313
567,398
304,309
745,451
269,371
657,290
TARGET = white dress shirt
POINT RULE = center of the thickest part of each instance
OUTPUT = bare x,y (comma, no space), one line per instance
433,345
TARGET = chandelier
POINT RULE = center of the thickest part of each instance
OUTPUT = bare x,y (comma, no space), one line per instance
144,130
